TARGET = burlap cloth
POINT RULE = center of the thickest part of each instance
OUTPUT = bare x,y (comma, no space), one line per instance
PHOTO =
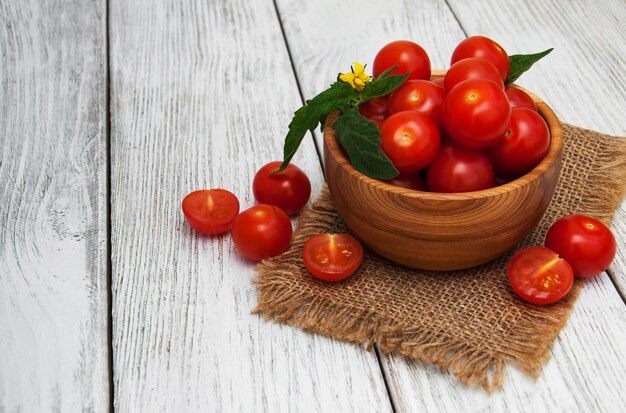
469,320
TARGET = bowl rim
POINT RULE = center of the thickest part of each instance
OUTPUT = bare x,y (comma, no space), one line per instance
554,152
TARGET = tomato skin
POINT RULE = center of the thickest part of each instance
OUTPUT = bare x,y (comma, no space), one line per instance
408,56
519,99
261,232
409,181
586,243
526,142
375,108
410,140
483,48
471,68
476,113
289,190
539,276
210,211
438,81
332,257
420,95
459,169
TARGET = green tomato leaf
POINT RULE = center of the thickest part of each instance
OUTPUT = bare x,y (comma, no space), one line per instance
298,127
338,94
382,86
520,63
361,139
387,72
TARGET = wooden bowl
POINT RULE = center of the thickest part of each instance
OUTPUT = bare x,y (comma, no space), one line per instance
436,231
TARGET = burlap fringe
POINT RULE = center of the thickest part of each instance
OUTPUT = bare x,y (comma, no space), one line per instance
473,366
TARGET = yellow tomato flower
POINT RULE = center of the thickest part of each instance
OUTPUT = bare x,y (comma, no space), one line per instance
357,78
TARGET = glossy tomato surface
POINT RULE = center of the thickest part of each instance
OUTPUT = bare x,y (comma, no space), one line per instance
409,181
538,275
261,231
408,56
476,113
289,190
526,142
471,68
483,48
584,242
519,99
419,95
459,169
332,257
410,140
375,108
210,211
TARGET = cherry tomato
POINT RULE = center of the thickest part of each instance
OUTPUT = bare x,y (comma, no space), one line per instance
408,56
262,231
332,257
538,275
483,48
586,243
459,169
420,95
471,68
409,181
410,140
210,211
289,189
476,113
526,142
438,81
519,99
375,108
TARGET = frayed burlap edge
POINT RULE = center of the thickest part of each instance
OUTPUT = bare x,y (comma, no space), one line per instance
530,341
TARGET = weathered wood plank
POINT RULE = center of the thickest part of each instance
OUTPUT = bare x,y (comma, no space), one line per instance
325,36
53,257
202,93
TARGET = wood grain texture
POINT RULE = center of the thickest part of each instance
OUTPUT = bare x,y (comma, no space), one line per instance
53,257
202,93
587,369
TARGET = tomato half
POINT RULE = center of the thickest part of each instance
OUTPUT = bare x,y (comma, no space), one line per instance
408,56
332,257
261,231
459,169
375,108
210,211
471,68
476,113
410,140
526,142
538,275
419,95
586,243
519,99
409,181
289,190
483,48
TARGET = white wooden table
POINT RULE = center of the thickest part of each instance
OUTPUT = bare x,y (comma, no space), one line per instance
111,111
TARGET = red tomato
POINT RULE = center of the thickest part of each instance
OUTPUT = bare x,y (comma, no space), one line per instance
438,81
408,181
262,231
586,243
538,275
483,48
332,257
375,108
525,143
471,68
519,99
410,140
210,211
289,189
420,95
408,56
476,113
459,169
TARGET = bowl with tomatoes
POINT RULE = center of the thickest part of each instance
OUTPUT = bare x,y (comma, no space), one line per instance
432,220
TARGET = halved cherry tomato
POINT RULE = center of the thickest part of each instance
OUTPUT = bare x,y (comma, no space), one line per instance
459,169
210,211
408,56
419,95
538,275
332,257
409,181
289,189
375,108
586,243
261,231
471,68
483,48
519,99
